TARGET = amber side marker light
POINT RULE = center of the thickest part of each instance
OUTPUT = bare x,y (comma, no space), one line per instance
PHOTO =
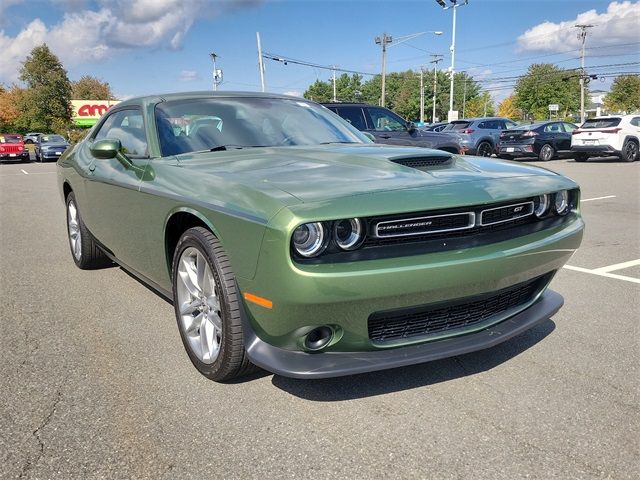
263,302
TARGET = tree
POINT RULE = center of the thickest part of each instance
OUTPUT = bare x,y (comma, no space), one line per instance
90,88
624,95
46,107
545,84
480,106
507,109
319,91
10,101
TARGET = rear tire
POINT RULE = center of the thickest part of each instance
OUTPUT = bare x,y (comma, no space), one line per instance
546,153
629,151
207,307
84,250
485,149
581,157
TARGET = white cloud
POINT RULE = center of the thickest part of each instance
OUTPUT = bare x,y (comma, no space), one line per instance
89,35
619,24
188,76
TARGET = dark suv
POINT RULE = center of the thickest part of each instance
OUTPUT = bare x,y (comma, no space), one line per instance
480,136
391,129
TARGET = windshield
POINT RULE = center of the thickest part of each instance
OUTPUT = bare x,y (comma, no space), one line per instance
10,139
601,123
224,123
457,126
52,139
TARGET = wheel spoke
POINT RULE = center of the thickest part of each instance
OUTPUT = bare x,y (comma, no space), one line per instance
188,276
188,308
216,321
207,338
192,325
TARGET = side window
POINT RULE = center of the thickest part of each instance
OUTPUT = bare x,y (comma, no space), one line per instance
508,124
353,115
635,121
568,127
494,125
385,121
128,127
552,128
483,125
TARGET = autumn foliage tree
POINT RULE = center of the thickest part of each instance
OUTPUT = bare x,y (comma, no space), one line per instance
507,108
90,88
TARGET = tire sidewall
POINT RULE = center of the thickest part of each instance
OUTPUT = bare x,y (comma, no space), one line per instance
194,238
79,263
543,157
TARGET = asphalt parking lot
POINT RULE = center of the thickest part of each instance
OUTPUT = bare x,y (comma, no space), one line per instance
95,383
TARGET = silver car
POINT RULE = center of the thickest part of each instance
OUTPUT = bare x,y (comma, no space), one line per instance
480,136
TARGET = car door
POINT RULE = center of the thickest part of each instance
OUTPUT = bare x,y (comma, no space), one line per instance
387,127
111,204
564,141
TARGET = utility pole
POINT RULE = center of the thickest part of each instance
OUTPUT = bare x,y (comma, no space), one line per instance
464,97
436,59
582,35
333,70
217,74
260,60
421,93
383,41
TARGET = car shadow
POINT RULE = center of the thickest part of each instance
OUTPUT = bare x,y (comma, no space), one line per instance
405,378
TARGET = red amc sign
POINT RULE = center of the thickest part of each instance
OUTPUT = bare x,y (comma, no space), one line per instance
87,112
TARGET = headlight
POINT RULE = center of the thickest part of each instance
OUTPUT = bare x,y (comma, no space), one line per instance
561,202
542,205
308,239
348,233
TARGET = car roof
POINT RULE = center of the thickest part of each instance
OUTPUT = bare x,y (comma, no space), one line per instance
477,119
166,97
348,104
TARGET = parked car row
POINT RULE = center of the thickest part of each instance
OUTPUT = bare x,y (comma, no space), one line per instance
47,146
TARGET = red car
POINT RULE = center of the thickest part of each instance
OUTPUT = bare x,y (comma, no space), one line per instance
12,148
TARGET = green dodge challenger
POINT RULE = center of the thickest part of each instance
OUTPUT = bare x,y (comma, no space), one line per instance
286,239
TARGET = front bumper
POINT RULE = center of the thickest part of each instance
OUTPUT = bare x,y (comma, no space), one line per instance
14,156
50,155
333,364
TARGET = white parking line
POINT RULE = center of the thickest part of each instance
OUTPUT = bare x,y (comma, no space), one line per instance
617,266
597,198
24,171
603,274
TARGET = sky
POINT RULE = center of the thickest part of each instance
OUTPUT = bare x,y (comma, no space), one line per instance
153,46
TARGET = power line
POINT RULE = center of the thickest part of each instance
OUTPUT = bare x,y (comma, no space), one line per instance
287,60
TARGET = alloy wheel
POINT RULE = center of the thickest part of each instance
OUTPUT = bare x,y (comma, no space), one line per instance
484,149
75,235
199,305
631,152
546,153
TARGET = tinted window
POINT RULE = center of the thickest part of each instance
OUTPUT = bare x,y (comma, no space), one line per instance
205,123
601,123
128,127
635,121
509,124
386,121
353,115
569,127
552,128
457,125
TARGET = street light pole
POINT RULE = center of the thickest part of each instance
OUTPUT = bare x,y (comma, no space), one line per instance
260,60
333,70
436,59
421,94
217,74
582,35
454,6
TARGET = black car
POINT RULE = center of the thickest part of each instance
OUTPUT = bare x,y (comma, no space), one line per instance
544,140
50,147
391,129
435,127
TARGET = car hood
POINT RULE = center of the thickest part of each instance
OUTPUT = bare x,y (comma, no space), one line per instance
318,173
55,145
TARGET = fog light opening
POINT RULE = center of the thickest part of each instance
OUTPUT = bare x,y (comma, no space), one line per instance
318,338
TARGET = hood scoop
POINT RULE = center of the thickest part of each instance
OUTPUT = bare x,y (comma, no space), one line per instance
423,162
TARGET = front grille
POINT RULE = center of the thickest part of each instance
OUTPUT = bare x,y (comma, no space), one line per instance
421,162
428,320
491,216
425,225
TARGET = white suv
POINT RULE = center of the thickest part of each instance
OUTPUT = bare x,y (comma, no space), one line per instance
614,135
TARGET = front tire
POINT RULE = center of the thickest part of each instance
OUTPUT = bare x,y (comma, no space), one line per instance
629,151
84,250
546,153
207,306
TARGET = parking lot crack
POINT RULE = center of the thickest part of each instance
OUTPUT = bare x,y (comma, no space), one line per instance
36,433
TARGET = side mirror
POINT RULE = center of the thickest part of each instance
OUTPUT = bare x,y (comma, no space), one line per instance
106,149
411,127
369,136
